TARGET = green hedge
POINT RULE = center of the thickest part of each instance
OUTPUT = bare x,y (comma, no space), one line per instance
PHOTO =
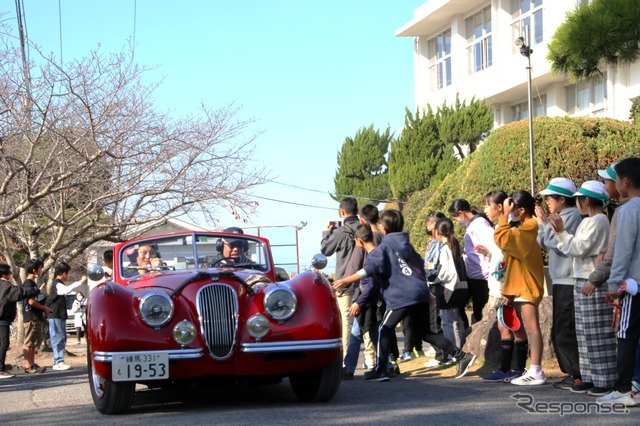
567,147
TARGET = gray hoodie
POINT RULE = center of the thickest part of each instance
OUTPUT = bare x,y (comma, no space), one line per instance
626,258
341,242
560,264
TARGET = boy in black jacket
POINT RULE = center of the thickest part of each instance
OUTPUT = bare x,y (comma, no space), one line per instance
399,271
9,295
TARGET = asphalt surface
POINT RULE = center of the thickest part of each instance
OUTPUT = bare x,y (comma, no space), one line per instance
63,398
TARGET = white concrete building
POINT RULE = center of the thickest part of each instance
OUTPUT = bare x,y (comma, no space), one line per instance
467,47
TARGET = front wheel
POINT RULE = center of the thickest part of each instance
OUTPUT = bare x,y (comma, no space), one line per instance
109,397
318,385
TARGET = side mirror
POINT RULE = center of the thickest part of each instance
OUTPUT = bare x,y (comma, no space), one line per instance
319,261
95,272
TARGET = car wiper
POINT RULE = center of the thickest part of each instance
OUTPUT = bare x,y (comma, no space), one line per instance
201,275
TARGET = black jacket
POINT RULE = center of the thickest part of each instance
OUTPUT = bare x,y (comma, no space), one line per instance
9,295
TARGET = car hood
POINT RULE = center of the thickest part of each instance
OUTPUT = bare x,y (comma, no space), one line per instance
173,279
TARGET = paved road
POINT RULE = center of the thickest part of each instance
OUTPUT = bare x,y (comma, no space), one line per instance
63,397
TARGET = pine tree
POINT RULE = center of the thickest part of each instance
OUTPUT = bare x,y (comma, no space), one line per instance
362,166
464,125
601,32
418,158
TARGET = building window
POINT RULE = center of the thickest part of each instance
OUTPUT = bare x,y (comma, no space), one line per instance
479,40
439,49
526,18
521,111
588,96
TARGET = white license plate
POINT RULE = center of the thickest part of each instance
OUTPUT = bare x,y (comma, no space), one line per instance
127,367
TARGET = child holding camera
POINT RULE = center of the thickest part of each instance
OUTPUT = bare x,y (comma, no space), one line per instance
516,236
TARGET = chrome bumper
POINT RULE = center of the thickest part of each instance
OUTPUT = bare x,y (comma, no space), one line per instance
297,345
174,354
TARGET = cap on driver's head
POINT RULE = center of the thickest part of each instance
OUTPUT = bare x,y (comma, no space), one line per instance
234,229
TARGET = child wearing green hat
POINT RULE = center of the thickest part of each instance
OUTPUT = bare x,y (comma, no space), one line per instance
593,316
558,196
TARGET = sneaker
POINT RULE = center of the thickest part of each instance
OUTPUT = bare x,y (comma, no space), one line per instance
581,387
528,379
616,397
35,369
405,357
376,376
417,353
566,383
393,370
464,364
369,364
347,375
635,386
431,352
432,363
6,375
513,374
497,376
61,366
598,391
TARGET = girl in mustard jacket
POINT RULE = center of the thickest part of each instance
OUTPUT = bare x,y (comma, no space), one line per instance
516,236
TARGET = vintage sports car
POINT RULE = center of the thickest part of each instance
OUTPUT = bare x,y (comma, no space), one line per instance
205,308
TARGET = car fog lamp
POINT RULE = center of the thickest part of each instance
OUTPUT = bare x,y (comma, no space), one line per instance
258,326
184,332
280,303
156,308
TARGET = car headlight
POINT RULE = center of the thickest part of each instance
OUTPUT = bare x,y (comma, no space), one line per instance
156,308
280,303
184,332
258,326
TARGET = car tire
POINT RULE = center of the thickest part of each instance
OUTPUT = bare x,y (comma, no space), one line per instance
109,397
318,385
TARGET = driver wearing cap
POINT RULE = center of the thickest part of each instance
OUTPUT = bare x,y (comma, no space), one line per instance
234,250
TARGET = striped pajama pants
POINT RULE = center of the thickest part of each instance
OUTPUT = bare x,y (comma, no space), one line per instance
596,338
628,336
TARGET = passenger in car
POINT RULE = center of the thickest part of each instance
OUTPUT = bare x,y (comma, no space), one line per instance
146,259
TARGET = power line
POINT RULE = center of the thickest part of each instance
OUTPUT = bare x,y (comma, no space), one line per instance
338,195
295,204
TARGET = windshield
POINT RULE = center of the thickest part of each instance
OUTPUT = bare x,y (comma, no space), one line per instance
192,251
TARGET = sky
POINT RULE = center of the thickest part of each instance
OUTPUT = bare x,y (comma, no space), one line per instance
310,73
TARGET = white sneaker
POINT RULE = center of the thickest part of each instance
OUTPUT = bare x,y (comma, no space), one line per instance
6,375
432,363
616,397
369,364
61,366
529,379
431,352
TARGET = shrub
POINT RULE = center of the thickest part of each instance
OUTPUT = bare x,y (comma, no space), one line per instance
569,147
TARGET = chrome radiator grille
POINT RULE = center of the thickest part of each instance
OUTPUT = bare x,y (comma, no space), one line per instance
218,312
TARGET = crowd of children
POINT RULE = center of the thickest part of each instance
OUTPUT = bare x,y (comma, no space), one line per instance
594,272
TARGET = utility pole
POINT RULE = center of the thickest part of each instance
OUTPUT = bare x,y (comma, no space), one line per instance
27,102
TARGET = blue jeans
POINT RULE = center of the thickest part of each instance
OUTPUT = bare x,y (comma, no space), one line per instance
353,349
58,334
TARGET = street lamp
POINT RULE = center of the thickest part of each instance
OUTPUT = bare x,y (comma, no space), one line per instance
526,50
301,225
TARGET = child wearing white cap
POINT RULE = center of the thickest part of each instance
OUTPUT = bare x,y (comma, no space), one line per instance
624,268
559,198
593,316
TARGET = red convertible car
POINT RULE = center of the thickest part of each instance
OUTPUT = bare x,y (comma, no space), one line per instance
207,307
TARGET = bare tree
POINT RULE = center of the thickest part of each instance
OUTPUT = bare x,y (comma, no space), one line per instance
85,154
